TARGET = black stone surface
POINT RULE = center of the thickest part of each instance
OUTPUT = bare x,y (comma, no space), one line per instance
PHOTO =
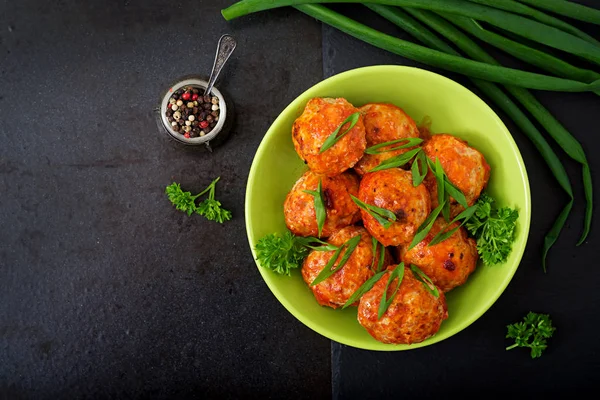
106,291
474,362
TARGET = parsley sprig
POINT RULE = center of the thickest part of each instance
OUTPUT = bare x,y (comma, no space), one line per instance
533,332
283,252
493,229
210,208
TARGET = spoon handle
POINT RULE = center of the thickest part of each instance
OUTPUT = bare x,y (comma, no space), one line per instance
224,49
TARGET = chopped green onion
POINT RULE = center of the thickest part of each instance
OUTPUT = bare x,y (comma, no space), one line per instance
320,210
410,142
385,303
308,242
329,269
332,139
455,192
376,244
464,216
425,280
397,161
385,217
364,288
419,168
426,226
440,176
381,258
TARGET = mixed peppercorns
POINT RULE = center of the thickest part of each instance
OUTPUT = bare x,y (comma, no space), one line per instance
191,114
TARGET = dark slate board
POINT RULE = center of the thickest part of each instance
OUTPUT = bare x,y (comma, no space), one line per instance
106,291
474,361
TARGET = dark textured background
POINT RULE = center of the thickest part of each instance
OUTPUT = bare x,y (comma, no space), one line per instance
107,292
474,363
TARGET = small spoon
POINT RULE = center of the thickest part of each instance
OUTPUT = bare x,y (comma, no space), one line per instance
224,49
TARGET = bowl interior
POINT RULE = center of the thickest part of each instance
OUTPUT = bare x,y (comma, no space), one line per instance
453,109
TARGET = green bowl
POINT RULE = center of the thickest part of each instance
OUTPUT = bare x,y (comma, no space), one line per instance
453,109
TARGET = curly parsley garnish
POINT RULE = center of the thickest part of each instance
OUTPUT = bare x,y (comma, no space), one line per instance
283,252
210,208
493,229
533,332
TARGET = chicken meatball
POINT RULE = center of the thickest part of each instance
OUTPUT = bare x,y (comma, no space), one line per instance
336,290
393,190
414,315
321,117
465,167
384,123
299,206
449,263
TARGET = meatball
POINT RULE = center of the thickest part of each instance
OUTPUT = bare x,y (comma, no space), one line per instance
393,190
449,263
413,316
321,117
465,167
299,206
336,290
384,123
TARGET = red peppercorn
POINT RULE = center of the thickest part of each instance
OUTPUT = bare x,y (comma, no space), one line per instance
194,97
203,124
187,135
185,96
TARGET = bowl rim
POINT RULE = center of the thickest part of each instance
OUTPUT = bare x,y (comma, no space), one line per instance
267,274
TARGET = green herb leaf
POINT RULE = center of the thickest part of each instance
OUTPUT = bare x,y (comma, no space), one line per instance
493,229
533,332
425,280
183,201
385,217
376,244
463,216
280,253
381,258
455,192
441,194
330,269
364,288
419,168
385,303
410,142
320,210
210,208
310,243
426,226
332,139
396,161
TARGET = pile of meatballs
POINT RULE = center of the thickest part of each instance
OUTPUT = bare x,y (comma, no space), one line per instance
415,313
